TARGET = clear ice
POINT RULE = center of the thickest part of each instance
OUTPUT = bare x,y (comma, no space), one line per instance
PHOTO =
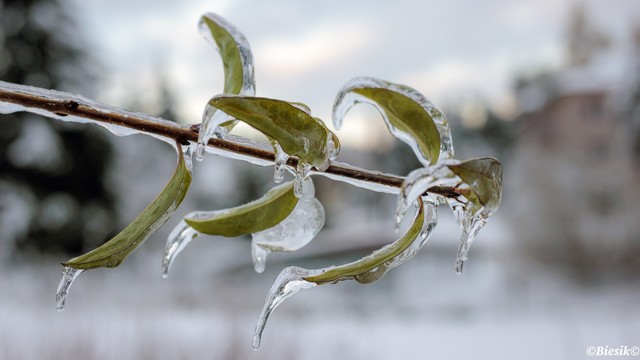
294,232
69,275
347,98
292,279
177,240
211,121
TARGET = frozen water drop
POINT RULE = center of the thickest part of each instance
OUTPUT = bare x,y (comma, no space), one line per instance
302,173
290,281
177,241
187,154
280,163
69,275
259,255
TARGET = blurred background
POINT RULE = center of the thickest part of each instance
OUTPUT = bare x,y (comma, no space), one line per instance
550,87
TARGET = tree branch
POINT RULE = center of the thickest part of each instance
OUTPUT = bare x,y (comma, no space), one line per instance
69,107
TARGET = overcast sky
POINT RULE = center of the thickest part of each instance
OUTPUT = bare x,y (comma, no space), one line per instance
304,51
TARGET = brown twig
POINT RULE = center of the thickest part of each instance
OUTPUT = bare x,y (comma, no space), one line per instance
58,104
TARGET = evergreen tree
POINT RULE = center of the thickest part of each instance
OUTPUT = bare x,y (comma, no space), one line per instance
59,167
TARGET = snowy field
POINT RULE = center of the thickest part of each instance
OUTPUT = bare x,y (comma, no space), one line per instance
207,309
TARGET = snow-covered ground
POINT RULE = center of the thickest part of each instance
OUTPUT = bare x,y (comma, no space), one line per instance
207,309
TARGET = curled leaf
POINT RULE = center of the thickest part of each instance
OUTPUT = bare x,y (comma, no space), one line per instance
274,226
409,116
235,52
237,61
366,270
475,196
252,217
484,178
115,251
298,133
378,258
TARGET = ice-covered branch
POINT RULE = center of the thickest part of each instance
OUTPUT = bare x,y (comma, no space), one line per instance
75,108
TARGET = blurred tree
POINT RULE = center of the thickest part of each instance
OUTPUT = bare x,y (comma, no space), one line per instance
60,168
584,39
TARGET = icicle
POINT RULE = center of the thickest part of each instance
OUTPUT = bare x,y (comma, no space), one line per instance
69,275
280,164
302,172
294,232
471,224
211,121
177,241
331,150
289,282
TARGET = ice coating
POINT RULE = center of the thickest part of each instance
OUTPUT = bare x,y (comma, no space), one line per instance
301,106
69,275
430,222
346,99
77,101
211,121
280,164
417,183
177,241
290,281
294,232
212,118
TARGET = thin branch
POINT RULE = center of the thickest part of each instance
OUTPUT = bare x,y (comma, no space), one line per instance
61,105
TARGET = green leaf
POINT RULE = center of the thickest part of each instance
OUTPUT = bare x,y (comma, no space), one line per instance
484,178
405,115
235,52
237,63
358,269
258,215
298,133
115,251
